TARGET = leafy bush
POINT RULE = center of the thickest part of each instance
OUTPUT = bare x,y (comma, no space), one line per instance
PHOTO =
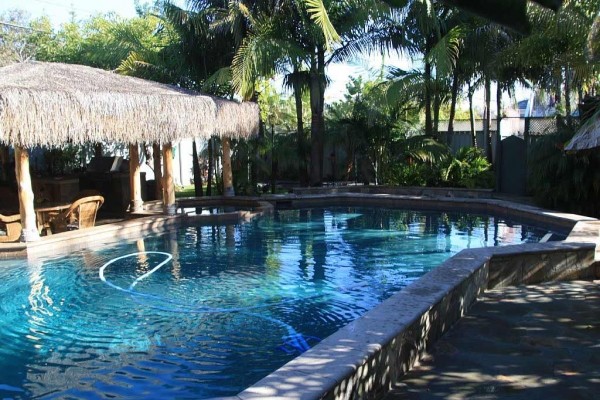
416,174
468,168
561,181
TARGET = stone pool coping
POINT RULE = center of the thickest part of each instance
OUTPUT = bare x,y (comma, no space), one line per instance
368,355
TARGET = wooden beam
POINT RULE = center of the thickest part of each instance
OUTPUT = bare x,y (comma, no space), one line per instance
135,183
168,182
26,198
227,173
157,171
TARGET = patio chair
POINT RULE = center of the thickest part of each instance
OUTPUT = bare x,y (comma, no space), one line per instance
11,224
81,214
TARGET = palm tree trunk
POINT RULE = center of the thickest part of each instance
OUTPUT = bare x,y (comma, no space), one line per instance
498,114
198,192
452,115
486,121
568,94
317,93
498,152
322,84
472,118
437,103
272,159
302,173
428,119
211,166
255,145
558,97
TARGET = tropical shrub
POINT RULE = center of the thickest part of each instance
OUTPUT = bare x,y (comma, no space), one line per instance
561,181
468,168
414,174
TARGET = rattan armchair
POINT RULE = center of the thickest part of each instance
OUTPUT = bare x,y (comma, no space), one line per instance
81,214
11,224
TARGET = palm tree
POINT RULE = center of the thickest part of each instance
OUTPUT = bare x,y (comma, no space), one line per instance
560,62
433,32
298,80
289,41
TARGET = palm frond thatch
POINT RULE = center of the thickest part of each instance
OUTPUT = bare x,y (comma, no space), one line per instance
236,120
588,135
53,103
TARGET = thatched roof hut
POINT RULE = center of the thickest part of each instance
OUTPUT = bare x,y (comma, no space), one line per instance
587,137
52,103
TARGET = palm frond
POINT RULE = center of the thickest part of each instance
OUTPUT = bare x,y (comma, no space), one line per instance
222,77
404,85
425,149
444,54
318,13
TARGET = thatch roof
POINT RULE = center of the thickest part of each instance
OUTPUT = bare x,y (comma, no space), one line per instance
53,103
587,137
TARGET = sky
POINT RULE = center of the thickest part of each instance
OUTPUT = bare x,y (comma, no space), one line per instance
59,10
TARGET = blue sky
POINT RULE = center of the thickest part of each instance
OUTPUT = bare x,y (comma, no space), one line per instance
59,10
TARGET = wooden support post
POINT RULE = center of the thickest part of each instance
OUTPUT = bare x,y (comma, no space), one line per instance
227,173
26,198
135,183
157,170
168,182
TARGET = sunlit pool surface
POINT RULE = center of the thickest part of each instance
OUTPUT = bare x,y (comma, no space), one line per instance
235,303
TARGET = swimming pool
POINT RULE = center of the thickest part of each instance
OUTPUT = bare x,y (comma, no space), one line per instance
234,303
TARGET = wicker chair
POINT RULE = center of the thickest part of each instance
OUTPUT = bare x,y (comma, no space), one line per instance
11,224
81,214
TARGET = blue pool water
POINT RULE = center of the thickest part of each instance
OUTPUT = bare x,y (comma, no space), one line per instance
233,304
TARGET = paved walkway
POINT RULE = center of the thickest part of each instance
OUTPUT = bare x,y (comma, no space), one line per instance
527,342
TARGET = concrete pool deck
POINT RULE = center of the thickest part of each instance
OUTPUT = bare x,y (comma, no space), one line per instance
523,342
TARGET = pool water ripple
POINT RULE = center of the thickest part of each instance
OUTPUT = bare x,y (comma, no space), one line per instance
234,303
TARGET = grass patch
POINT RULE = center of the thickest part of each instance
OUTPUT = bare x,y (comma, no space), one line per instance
184,191
188,191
